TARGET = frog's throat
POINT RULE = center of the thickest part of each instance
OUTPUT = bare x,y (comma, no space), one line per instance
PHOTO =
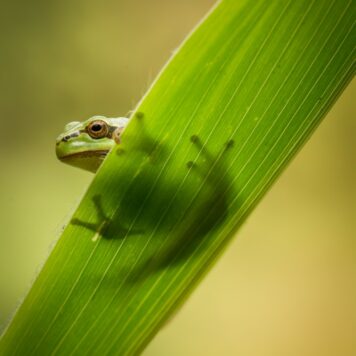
85,154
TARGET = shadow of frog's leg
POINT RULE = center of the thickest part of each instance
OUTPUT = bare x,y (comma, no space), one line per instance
101,223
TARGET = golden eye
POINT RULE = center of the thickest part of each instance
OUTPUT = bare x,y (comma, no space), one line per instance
98,129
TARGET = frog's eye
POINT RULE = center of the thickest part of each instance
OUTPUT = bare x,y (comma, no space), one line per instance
98,129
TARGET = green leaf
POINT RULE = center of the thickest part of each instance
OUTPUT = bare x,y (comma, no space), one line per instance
225,116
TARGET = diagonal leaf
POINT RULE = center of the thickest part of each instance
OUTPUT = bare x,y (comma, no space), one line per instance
226,115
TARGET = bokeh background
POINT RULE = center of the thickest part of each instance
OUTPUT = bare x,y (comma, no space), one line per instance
287,283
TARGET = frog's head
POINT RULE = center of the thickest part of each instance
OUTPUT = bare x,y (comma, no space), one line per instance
85,144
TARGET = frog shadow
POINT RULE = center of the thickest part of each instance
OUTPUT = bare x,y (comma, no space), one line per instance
205,215
188,223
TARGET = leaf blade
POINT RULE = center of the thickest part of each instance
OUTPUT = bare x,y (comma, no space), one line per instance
263,84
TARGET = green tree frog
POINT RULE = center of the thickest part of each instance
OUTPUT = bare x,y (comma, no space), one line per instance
85,144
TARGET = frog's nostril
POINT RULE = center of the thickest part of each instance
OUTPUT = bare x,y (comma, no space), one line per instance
66,138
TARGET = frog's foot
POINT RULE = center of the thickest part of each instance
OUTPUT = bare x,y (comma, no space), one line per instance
197,142
212,167
116,135
99,226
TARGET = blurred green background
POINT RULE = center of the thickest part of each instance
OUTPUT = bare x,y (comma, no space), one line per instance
285,286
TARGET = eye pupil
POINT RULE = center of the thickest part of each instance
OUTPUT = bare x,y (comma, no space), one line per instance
96,127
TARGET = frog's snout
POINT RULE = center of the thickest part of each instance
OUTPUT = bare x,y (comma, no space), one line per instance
58,140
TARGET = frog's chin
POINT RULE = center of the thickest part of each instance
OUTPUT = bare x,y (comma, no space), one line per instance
88,160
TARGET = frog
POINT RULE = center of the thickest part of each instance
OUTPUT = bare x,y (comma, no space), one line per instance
85,144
